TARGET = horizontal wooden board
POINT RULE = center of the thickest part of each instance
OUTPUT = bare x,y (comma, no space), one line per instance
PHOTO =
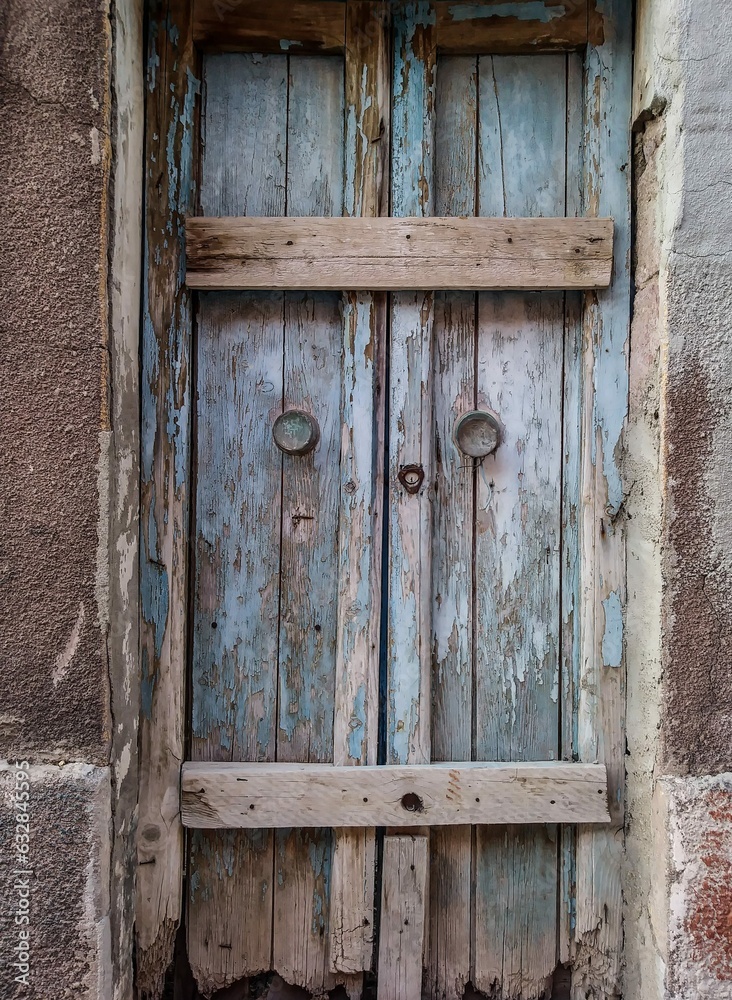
230,795
496,27
398,254
273,26
461,28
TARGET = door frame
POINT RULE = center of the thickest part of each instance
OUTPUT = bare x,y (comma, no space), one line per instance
592,604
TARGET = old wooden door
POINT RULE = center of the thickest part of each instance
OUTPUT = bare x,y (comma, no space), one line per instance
385,598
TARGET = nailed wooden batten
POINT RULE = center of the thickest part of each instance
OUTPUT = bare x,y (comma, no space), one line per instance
398,254
490,27
305,795
269,26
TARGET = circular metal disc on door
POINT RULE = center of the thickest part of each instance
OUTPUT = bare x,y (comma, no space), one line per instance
296,432
477,433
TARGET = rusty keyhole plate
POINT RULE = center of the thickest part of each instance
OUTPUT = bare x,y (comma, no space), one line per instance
411,477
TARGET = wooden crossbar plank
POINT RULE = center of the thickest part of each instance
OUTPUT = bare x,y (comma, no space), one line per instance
231,795
398,254
280,26
461,28
495,27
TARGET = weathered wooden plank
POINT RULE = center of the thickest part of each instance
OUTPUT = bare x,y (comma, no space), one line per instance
403,918
410,436
355,726
310,508
238,511
410,411
462,28
296,26
399,254
601,696
442,794
170,139
453,376
520,357
570,646
493,27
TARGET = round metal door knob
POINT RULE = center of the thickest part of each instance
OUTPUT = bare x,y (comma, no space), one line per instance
296,432
478,433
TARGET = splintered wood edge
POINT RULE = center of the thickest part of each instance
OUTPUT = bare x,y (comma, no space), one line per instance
252,796
398,254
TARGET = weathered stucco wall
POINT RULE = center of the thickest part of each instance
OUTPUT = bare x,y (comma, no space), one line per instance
679,834
70,159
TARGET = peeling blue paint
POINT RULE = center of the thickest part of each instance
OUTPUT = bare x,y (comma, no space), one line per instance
287,43
357,728
534,10
612,639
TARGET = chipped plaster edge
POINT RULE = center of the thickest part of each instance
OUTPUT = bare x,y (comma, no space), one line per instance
646,868
118,577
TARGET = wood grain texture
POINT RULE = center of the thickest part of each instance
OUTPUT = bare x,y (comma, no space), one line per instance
462,27
441,794
601,695
297,26
410,436
520,370
238,515
570,601
310,514
399,254
453,378
495,27
355,724
403,918
410,410
173,77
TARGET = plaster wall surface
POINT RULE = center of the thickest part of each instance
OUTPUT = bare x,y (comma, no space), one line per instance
70,201
679,835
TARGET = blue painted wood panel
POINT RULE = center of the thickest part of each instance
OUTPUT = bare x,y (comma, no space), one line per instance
238,518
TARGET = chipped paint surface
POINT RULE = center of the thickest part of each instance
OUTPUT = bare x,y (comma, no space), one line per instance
410,431
533,10
172,94
612,639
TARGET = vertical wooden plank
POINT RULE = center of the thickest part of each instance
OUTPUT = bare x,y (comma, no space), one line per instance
520,355
410,416
170,139
403,918
453,379
355,733
238,497
601,696
571,505
310,508
408,665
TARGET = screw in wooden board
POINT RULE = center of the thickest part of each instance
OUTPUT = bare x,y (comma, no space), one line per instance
412,802
296,432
